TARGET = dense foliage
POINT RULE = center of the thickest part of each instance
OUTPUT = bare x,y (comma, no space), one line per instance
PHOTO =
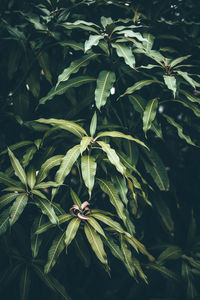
99,149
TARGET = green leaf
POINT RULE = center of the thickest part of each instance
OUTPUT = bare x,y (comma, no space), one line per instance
105,82
36,240
112,156
187,78
157,170
6,199
108,221
137,86
127,257
87,26
190,97
71,231
61,219
92,41
75,198
17,208
74,45
88,170
75,66
170,253
4,220
25,282
17,146
44,62
163,271
47,209
125,52
178,60
149,114
27,157
66,125
48,165
31,177
170,82
121,187
96,243
164,214
179,129
67,163
116,134
56,248
131,33
96,226
108,188
86,140
44,185
93,124
39,194
114,248
63,87
17,167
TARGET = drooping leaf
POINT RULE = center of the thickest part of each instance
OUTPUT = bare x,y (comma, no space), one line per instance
88,170
47,209
17,167
63,87
125,52
112,156
96,226
75,66
4,220
114,248
149,114
179,129
71,231
127,257
108,221
66,125
25,282
36,240
82,249
163,271
121,187
170,82
105,82
117,134
56,248
190,97
7,198
157,170
108,188
17,208
171,252
92,41
187,78
86,140
67,163
164,214
96,243
93,124
48,165
138,85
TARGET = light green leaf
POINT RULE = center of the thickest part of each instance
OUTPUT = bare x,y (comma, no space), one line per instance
31,177
93,124
47,209
25,282
88,170
17,167
75,198
179,129
108,188
75,66
92,41
187,78
149,114
39,194
170,82
4,220
108,221
137,86
7,198
96,226
170,253
17,208
178,60
125,52
67,163
112,156
17,146
63,87
66,125
105,82
117,134
56,248
84,143
96,243
44,185
114,248
81,25
36,240
148,42
48,165
61,219
71,231
106,21
157,170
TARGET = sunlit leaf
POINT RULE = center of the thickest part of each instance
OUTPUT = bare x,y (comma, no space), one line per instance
92,41
170,82
47,209
71,231
149,114
125,52
96,226
85,141
138,86
7,198
17,167
88,170
48,165
17,208
93,124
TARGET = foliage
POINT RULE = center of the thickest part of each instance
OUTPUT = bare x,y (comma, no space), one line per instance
99,149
